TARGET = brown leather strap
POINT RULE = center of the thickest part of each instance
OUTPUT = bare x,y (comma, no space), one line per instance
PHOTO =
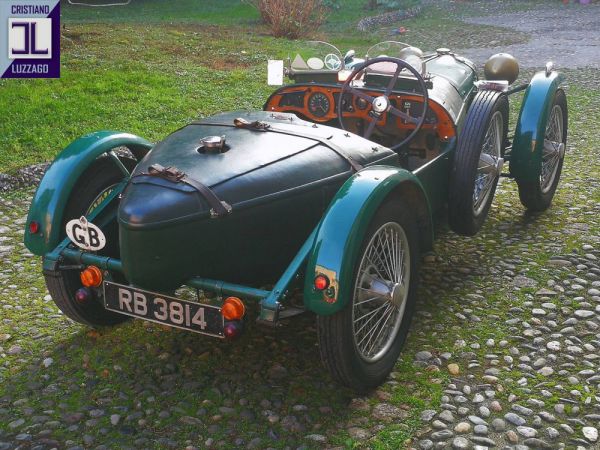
218,207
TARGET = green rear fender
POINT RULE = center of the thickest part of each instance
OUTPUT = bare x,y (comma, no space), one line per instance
341,231
526,154
53,193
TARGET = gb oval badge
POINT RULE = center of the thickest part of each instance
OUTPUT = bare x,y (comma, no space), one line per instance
85,234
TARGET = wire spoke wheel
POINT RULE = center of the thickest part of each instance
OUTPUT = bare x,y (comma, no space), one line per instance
100,198
361,342
381,292
91,189
477,162
487,168
553,148
536,192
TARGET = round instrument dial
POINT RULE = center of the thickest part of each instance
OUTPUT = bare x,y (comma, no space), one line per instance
319,104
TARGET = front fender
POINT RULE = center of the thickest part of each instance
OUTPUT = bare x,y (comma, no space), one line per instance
526,154
341,231
48,204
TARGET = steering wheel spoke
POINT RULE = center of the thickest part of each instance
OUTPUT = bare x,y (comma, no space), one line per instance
373,121
360,94
393,81
399,113
381,105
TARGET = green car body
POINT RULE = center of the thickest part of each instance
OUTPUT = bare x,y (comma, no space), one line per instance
307,218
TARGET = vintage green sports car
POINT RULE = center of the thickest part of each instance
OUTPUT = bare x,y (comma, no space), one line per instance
332,189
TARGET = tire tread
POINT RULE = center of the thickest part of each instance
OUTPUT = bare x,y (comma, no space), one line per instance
460,199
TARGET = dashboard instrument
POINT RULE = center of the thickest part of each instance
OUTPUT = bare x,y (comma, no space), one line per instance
319,103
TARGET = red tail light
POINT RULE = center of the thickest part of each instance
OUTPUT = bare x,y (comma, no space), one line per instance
321,282
34,227
82,295
233,329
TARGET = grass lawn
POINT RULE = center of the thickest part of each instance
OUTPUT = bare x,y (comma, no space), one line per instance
148,69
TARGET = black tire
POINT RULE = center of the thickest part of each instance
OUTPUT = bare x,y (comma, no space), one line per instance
63,283
538,195
339,349
471,191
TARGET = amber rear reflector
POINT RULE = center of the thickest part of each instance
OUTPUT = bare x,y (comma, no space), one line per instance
233,308
91,277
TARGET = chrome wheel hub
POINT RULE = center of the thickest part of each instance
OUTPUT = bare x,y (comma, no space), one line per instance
398,294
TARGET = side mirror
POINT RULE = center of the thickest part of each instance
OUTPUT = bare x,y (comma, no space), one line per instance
349,56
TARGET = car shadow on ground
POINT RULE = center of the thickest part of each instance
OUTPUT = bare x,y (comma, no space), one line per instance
268,385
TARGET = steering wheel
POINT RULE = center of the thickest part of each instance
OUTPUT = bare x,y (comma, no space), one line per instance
381,106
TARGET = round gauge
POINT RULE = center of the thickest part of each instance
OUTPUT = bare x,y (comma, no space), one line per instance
319,104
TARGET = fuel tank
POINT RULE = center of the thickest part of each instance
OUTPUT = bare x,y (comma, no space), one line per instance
278,179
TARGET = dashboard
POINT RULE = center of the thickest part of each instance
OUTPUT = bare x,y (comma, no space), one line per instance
319,103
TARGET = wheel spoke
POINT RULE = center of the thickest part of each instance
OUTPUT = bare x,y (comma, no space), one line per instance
375,253
393,254
369,314
377,297
375,266
483,192
387,251
374,327
389,314
487,167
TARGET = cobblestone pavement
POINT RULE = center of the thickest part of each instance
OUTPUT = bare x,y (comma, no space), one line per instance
528,376
567,35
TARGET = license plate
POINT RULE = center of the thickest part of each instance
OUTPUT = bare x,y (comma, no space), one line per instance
205,319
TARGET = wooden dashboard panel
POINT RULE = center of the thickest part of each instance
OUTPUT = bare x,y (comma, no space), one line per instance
297,99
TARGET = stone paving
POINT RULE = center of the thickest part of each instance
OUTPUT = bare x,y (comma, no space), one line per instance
535,381
568,36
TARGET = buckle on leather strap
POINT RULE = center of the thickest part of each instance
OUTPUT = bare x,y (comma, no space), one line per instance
246,124
216,214
170,173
